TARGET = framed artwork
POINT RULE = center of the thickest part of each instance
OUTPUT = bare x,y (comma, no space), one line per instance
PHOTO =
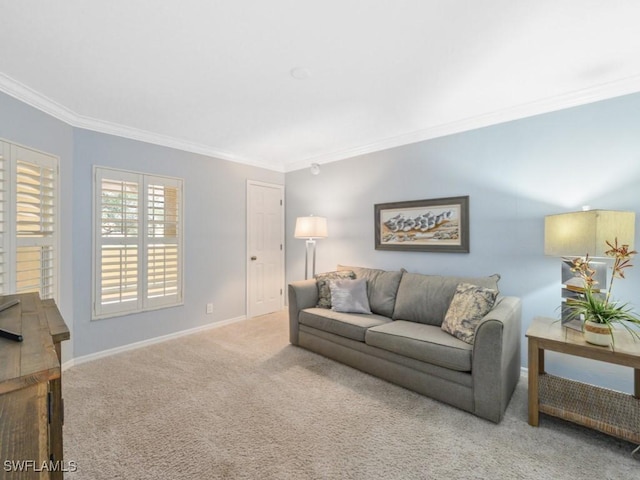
434,225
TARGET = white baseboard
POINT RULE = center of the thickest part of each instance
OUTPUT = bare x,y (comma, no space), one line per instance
145,343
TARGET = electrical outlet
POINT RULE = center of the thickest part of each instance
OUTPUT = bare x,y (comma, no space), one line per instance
209,307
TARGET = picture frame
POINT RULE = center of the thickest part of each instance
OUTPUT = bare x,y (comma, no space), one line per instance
430,225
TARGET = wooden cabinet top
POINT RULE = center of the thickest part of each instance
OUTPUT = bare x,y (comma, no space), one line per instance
34,359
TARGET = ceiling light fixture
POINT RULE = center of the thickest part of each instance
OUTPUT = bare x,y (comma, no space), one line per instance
300,73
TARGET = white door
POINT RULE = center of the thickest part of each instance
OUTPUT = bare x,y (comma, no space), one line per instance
265,248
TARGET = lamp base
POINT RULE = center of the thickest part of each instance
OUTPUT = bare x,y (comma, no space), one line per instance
310,251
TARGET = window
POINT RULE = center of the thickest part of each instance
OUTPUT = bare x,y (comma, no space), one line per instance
28,221
138,242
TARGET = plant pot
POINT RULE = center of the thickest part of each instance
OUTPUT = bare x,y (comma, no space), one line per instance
597,333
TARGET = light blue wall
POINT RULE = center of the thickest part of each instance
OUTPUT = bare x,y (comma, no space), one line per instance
215,231
515,174
27,126
214,238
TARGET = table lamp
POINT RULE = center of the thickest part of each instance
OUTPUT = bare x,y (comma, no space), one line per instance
576,234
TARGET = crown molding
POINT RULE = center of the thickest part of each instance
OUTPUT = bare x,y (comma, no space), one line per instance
132,133
572,99
576,98
36,100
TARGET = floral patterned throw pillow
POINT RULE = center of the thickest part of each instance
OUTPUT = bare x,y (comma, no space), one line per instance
468,306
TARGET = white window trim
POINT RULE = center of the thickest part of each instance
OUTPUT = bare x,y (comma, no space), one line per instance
142,304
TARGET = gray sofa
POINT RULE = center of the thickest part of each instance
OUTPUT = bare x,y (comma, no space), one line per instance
402,341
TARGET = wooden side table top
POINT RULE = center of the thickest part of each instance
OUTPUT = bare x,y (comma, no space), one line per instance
551,335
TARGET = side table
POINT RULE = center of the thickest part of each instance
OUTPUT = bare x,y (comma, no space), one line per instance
611,412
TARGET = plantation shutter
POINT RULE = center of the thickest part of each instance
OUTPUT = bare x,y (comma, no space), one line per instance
118,242
28,221
162,246
35,222
4,206
137,237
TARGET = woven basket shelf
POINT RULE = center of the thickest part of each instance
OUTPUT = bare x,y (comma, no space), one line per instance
611,412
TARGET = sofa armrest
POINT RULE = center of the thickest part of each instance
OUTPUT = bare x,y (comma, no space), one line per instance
302,294
496,358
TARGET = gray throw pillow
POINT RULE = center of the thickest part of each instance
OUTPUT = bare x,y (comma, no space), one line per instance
349,296
382,287
469,305
324,292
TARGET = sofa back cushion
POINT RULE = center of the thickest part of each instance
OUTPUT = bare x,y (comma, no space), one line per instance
426,298
382,287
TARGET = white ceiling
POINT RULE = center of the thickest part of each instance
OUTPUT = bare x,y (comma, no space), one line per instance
214,76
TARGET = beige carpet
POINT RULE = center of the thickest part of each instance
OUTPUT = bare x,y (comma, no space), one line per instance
240,402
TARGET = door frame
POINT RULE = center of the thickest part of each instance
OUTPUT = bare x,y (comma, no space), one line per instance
252,183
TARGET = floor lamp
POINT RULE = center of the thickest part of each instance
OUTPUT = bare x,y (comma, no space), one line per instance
576,234
310,228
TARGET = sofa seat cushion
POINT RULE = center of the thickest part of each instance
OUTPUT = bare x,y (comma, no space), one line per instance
427,343
349,325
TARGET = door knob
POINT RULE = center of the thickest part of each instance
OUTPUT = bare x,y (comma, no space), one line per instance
254,257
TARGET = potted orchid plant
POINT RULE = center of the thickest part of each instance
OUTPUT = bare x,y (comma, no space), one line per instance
597,311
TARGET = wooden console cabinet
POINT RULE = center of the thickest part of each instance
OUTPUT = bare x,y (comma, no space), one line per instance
31,408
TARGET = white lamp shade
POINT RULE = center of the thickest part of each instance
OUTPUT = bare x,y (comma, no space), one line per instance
579,233
311,227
